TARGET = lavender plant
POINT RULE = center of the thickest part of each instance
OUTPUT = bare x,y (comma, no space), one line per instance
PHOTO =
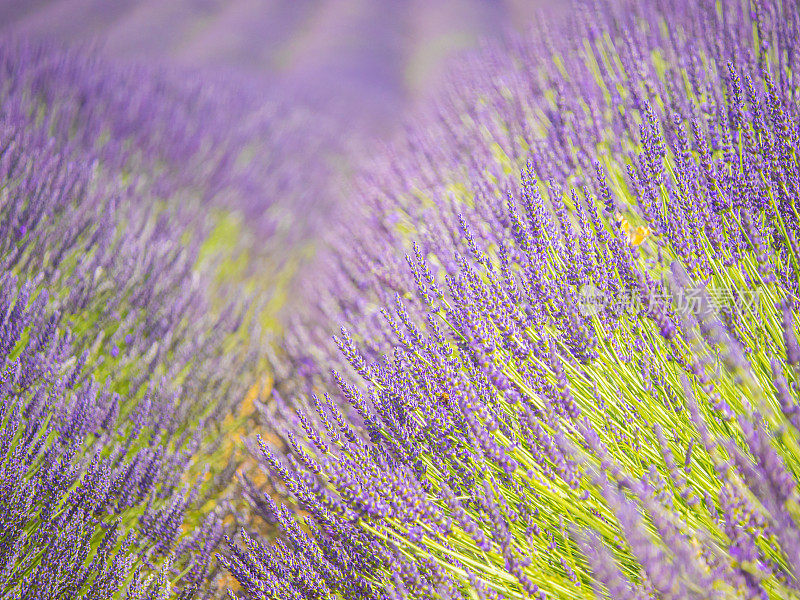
121,373
578,382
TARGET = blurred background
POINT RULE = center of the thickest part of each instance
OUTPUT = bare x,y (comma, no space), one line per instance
363,62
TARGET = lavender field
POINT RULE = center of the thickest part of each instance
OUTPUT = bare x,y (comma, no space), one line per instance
355,300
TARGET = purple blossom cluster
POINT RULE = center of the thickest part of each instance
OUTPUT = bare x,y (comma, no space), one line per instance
89,499
480,436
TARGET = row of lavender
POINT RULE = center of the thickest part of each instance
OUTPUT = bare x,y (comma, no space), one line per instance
577,382
119,367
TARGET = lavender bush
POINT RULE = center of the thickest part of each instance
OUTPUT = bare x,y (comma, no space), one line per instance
575,382
122,374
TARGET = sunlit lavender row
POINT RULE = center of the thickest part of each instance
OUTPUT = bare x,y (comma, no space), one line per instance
568,364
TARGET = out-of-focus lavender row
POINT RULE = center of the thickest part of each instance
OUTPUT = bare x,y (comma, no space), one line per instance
355,66
360,60
122,371
215,137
